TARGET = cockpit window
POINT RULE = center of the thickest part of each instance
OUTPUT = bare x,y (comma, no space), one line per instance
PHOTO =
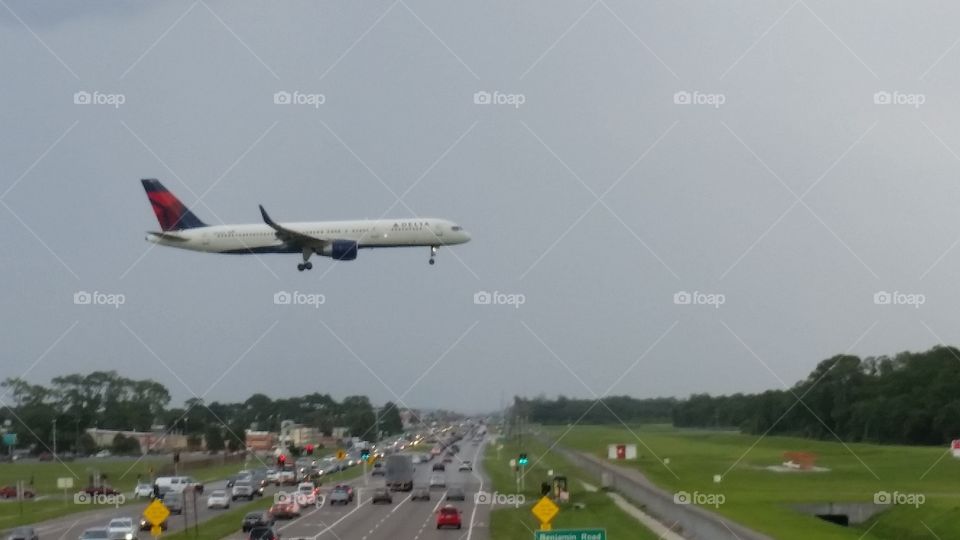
456,228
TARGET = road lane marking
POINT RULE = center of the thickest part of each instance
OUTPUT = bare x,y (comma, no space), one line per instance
473,514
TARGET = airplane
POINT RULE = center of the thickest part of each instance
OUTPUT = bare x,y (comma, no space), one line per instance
339,240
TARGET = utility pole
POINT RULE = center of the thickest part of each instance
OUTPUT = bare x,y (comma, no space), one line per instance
54,438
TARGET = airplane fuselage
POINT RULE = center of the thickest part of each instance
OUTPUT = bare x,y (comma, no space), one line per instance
261,238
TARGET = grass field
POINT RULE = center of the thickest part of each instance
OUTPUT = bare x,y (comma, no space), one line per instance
507,523
762,499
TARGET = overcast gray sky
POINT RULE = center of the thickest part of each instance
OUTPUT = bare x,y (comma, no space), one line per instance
787,185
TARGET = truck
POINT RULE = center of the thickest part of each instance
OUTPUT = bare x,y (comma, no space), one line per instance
399,472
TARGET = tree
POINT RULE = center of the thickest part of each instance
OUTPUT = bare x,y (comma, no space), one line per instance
214,438
390,421
123,445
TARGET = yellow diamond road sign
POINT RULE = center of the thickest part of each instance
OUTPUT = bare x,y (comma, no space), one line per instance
156,513
341,455
545,510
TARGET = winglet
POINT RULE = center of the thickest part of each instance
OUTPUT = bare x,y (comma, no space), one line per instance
266,218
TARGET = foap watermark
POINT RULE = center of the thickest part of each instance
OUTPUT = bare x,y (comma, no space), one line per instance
504,499
897,298
300,499
297,97
884,97
497,298
112,499
297,298
887,498
698,498
698,298
685,97
97,298
482,97
98,98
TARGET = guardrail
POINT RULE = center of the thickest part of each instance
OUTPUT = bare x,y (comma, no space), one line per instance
688,520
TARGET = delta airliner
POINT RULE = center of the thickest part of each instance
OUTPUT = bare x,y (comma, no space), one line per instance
339,240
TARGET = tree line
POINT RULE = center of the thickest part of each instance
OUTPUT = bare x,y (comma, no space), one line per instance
71,404
909,398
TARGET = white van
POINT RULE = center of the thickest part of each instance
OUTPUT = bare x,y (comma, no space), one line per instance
176,484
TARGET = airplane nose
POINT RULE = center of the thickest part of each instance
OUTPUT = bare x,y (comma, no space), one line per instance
466,236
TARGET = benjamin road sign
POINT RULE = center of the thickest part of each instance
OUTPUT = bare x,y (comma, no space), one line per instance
545,510
156,513
571,534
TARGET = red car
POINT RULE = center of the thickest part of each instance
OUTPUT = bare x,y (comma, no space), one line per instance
448,516
285,510
10,492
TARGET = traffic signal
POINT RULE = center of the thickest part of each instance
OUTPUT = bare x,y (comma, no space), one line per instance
281,459
176,457
523,460
309,449
365,454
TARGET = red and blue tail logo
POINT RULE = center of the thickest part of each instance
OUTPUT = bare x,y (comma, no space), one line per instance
171,213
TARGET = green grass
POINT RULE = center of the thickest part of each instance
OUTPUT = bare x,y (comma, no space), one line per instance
762,499
513,523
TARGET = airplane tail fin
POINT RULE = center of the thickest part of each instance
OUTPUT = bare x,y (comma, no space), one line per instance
172,214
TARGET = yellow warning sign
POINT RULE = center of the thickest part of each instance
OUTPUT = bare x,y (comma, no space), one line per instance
545,510
341,455
156,513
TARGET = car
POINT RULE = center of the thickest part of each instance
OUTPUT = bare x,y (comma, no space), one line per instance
121,529
456,494
448,459
102,454
143,489
379,469
256,519
439,467
339,495
381,495
273,476
263,533
173,500
146,525
23,533
287,478
306,494
285,510
437,481
242,488
219,499
10,492
420,494
347,487
94,533
448,516
466,466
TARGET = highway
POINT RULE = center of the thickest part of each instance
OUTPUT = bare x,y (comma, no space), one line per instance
404,519
71,526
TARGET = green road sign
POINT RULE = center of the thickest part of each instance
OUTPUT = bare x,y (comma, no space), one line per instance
571,534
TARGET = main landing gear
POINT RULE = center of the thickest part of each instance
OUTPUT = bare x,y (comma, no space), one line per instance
433,253
306,264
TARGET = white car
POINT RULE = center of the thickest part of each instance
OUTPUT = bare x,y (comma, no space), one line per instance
143,489
121,529
438,481
218,499
103,454
306,494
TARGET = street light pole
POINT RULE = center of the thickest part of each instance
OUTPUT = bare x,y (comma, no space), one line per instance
54,437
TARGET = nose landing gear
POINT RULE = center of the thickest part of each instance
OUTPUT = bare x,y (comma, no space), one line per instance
433,253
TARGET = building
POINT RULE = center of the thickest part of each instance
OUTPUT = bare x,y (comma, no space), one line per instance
258,441
150,441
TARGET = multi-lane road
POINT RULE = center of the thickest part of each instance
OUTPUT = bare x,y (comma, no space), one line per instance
69,527
404,519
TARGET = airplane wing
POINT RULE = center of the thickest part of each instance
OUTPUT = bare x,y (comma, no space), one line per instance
292,237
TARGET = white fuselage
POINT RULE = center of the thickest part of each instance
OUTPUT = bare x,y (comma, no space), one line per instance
258,237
